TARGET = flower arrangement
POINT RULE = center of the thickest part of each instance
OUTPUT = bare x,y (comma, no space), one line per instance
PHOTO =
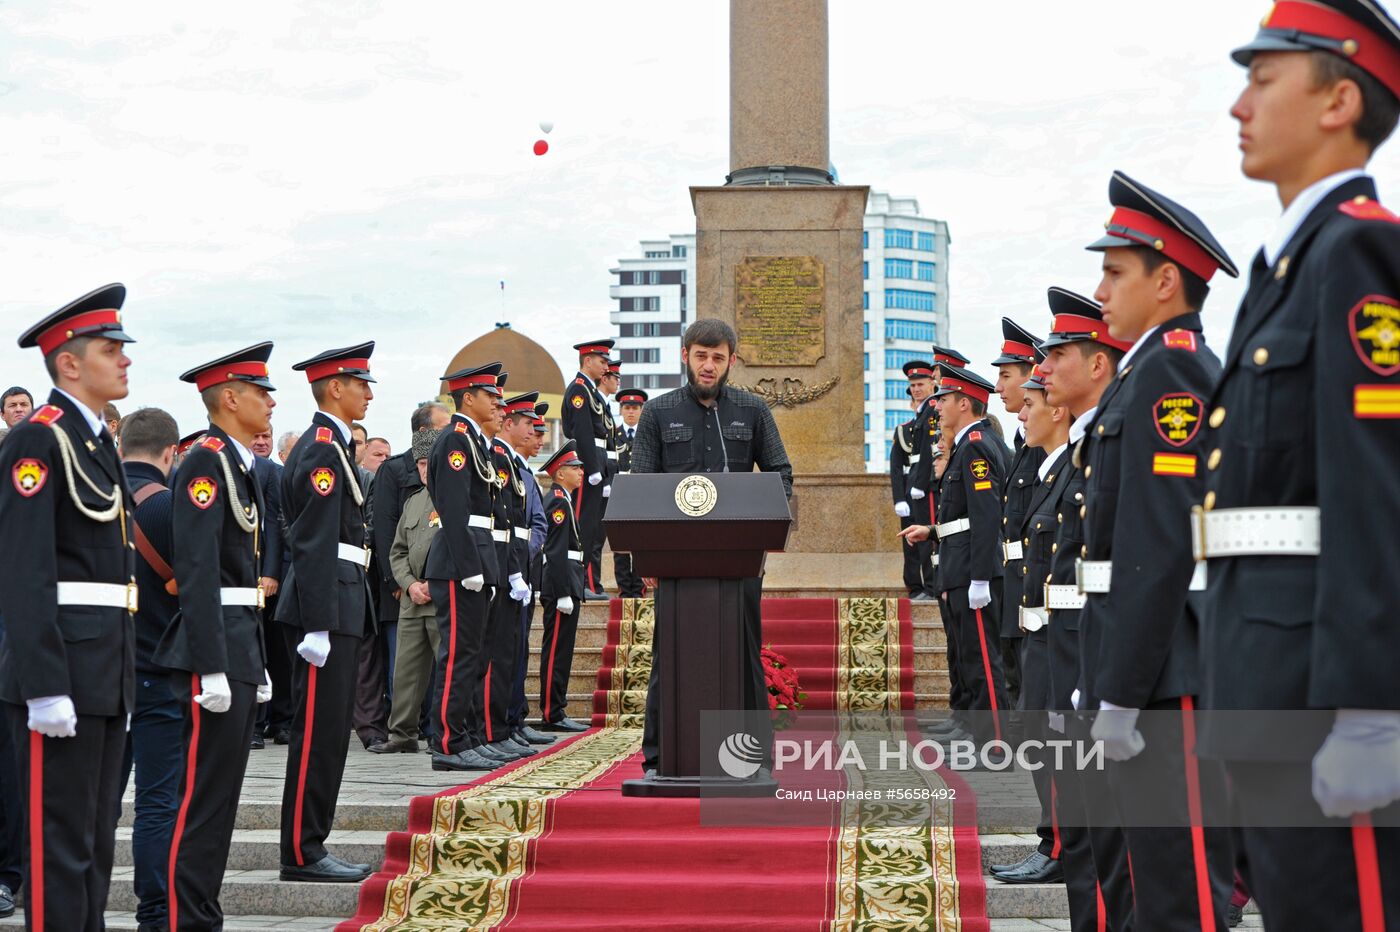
785,695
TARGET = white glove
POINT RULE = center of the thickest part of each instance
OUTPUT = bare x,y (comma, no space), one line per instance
518,590
902,509
1074,699
1116,727
315,648
916,493
607,490
53,716
1358,766
595,478
214,694
979,594
1056,721
565,605
474,583
265,690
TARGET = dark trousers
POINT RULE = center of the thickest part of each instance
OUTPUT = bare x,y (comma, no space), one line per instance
1011,663
463,619
154,752
1076,854
629,584
913,559
316,754
371,714
1032,702
11,803
276,714
1333,875
921,512
519,702
502,651
588,513
556,659
1182,876
755,686
215,759
979,660
73,792
1085,798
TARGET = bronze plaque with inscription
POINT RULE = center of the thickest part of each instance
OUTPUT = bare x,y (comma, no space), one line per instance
780,310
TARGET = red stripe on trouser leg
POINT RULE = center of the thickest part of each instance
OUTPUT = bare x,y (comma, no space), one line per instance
1368,873
987,671
451,657
34,897
179,832
548,672
1054,820
307,733
1204,903
1102,924
486,701
578,516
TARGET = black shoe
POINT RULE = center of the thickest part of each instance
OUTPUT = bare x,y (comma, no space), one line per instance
7,901
491,754
1232,918
373,743
1038,869
368,869
466,760
508,750
257,743
591,596
923,597
521,747
395,746
1010,868
564,724
531,736
959,734
282,736
943,727
326,870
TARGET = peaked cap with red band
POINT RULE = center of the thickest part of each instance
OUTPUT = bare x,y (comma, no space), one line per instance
522,404
631,396
487,378
1017,346
189,440
1078,319
351,360
541,409
967,383
1360,31
566,455
615,366
918,369
594,348
942,356
1037,379
1142,217
95,314
246,365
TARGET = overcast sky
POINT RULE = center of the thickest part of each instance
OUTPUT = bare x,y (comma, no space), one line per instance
321,173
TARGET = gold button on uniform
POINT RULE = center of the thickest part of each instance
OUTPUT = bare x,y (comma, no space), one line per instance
1082,509
1100,430
1217,417
1084,551
1088,471
1214,460
1261,355
1210,501
1054,548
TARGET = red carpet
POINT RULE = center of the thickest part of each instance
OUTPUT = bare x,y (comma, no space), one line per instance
551,844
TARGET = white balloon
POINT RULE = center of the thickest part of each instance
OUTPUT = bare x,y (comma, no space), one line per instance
546,126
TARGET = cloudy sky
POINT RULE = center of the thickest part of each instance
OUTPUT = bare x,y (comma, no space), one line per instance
321,172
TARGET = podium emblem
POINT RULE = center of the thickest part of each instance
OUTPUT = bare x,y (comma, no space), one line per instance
696,496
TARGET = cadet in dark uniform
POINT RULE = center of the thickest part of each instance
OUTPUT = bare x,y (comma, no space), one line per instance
629,402
1014,366
462,569
1142,469
912,455
324,607
561,592
66,661
585,420
215,640
922,483
1302,428
901,447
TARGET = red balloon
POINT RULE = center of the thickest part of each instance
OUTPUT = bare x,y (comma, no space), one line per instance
541,147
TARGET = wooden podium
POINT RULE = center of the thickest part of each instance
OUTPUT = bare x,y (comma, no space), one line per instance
700,535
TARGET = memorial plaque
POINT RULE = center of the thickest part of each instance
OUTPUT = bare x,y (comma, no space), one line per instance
779,310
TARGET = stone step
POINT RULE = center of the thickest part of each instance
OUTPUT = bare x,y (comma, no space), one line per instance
349,816
258,893
123,921
259,849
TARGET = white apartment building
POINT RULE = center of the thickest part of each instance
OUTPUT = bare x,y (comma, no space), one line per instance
655,301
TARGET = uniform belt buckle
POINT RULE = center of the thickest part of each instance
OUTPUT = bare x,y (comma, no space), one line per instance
133,599
1078,575
262,598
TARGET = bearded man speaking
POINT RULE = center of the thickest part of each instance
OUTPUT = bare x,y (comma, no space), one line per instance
709,426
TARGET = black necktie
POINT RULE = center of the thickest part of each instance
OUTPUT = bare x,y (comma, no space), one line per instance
629,434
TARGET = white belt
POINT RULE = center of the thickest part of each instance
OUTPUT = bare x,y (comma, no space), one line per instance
612,454
1096,576
1062,597
952,527
915,458
1256,532
935,559
248,596
500,537
481,521
352,554
576,555
1033,619
601,441
522,533
98,594
1011,549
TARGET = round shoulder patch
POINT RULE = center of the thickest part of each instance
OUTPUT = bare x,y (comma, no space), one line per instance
557,516
29,476
323,480
577,401
202,490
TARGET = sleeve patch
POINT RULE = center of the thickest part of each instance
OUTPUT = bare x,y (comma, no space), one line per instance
975,435
557,516
576,401
1177,417
213,443
1375,333
48,414
1180,339
203,491
1376,401
460,427
558,493
1174,464
982,486
456,459
323,435
1363,208
323,480
29,476
981,469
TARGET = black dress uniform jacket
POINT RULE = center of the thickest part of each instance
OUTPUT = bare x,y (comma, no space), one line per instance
921,458
321,509
510,513
462,483
1144,459
1066,505
1305,415
213,551
80,651
585,420
901,448
969,489
563,576
1020,486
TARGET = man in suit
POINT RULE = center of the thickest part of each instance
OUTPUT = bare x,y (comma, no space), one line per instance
1302,431
585,421
214,643
324,608
275,715
66,663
